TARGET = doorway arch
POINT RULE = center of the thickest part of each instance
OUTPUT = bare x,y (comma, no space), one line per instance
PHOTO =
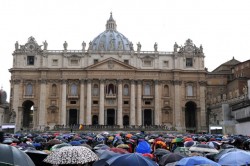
28,114
190,116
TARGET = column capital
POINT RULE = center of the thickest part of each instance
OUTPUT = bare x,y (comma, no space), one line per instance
139,82
82,81
119,81
89,80
132,81
16,81
64,81
202,83
156,82
42,81
176,82
102,81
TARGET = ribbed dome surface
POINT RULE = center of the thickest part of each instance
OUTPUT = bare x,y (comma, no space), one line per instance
111,39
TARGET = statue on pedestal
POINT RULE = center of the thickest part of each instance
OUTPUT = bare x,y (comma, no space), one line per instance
65,45
16,45
45,45
155,46
83,46
138,46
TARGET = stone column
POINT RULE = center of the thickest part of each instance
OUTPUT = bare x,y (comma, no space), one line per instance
15,104
139,97
248,88
42,105
63,104
82,101
101,104
132,103
157,104
119,113
202,107
177,106
89,100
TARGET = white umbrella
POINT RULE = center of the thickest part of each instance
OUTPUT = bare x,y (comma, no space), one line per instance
203,148
71,155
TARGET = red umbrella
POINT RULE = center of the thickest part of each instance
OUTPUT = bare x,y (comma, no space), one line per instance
119,150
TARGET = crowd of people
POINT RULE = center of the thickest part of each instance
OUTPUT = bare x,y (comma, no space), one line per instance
155,147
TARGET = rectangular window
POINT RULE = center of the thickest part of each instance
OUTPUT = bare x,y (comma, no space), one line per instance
165,64
95,102
73,102
30,60
126,61
54,62
189,90
147,63
74,62
189,62
125,102
147,103
95,61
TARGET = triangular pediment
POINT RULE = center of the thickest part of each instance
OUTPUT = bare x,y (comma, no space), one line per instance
110,64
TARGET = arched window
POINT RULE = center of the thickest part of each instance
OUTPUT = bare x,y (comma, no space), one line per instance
29,89
125,90
166,90
54,90
73,89
95,90
147,89
190,90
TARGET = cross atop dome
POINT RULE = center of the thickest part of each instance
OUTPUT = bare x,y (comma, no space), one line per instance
111,24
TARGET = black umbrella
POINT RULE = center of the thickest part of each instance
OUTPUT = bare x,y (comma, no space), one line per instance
159,152
37,157
170,158
13,156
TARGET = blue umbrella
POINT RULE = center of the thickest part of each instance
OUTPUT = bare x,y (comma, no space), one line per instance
75,143
235,158
131,159
196,160
143,147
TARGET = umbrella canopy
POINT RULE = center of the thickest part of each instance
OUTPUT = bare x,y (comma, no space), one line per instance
104,156
203,148
224,151
37,157
159,152
71,155
124,146
196,160
131,159
13,156
189,143
101,147
182,150
119,150
143,147
235,158
170,158
54,142
58,146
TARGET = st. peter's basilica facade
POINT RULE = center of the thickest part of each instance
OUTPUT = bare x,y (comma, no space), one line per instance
108,82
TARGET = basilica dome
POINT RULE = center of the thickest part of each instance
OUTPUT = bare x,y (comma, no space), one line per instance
111,39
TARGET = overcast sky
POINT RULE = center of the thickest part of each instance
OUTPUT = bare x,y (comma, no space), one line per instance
221,26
